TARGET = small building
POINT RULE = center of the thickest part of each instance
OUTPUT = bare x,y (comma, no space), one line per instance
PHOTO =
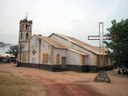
58,52
4,57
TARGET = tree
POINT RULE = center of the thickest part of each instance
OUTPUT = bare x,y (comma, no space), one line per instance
3,44
13,50
118,43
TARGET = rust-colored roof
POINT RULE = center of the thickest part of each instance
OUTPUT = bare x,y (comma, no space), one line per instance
96,50
52,42
79,52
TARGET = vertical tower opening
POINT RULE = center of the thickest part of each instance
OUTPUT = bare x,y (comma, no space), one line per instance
26,36
21,36
26,27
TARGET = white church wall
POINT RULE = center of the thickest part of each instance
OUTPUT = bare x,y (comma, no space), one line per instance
73,58
61,52
91,59
45,49
34,45
25,51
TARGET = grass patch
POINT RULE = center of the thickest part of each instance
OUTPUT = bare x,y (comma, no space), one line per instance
14,86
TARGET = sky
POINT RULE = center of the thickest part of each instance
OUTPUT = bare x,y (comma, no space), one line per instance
76,18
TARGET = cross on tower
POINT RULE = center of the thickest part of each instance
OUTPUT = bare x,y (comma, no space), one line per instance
26,15
33,51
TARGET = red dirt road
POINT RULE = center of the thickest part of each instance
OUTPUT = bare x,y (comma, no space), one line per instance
64,88
70,90
52,82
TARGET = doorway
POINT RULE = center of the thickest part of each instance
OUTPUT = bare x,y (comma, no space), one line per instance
63,62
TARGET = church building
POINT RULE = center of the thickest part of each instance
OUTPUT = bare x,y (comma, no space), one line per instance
58,52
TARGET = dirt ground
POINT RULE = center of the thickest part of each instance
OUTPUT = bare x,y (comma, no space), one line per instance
70,83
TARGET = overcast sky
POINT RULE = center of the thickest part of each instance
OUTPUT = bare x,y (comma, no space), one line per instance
77,18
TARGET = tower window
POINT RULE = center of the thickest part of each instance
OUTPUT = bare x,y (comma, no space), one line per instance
21,36
26,26
26,36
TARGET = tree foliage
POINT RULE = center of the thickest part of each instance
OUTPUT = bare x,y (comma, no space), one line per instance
13,50
118,43
3,44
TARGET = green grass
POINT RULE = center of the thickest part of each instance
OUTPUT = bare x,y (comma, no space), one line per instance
14,86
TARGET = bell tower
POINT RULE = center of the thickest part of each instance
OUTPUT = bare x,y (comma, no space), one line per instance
25,33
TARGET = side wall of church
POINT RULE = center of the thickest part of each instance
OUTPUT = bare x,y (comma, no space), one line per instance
90,60
58,54
73,58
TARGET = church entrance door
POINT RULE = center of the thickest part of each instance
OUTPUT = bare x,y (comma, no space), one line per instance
63,63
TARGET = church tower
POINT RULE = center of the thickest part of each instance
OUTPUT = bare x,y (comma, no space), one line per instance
25,33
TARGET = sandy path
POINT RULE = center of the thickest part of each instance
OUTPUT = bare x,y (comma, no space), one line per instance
54,86
69,83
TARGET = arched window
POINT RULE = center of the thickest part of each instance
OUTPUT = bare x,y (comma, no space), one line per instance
58,59
26,35
43,58
23,57
46,58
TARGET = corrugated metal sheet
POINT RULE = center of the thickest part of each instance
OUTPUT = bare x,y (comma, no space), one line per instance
96,50
52,42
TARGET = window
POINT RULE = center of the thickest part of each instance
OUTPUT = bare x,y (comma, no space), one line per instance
23,57
45,58
58,59
21,36
26,36
26,26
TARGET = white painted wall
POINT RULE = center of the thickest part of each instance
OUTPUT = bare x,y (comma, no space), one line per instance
73,58
34,44
61,52
91,59
45,48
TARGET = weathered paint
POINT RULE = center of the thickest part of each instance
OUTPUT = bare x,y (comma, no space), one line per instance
52,54
73,58
34,46
28,51
61,52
